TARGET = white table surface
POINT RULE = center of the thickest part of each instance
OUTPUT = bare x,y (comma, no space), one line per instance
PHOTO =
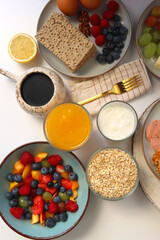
132,218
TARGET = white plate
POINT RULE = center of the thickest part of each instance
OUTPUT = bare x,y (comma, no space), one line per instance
92,68
148,151
140,26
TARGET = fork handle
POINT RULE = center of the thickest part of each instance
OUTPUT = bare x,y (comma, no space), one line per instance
95,97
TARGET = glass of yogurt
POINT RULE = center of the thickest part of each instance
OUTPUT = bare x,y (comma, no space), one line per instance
117,120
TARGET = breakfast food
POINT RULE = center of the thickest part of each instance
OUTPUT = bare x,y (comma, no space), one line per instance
156,160
153,134
42,189
67,126
68,7
90,4
112,173
62,38
22,48
150,37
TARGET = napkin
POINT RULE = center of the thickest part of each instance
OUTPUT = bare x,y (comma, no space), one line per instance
82,89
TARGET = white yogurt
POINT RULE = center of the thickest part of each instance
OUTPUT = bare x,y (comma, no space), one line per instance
117,120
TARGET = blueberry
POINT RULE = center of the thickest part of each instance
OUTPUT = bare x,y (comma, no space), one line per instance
15,191
67,168
120,45
115,31
116,17
34,183
36,166
73,176
105,51
57,176
109,37
63,216
13,202
25,212
50,184
117,49
69,193
51,169
10,177
46,205
101,58
26,198
57,185
110,45
115,55
39,191
104,31
56,199
50,222
110,29
123,30
56,217
123,37
109,59
9,195
117,24
62,189
116,39
30,202
44,170
28,215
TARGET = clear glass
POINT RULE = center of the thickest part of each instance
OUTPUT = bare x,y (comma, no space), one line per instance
65,150
124,196
126,105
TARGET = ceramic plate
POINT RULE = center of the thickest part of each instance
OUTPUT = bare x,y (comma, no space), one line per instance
37,231
91,68
148,151
140,26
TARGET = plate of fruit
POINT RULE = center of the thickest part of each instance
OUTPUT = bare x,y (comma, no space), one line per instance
148,37
105,23
44,192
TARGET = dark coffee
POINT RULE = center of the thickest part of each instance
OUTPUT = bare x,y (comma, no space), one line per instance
37,89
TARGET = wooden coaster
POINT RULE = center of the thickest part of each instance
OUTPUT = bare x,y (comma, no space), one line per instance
149,182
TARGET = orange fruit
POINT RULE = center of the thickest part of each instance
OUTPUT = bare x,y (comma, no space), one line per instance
22,48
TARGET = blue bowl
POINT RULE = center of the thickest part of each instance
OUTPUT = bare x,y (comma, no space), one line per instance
37,231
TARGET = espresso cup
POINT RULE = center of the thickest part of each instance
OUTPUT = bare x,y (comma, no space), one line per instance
38,89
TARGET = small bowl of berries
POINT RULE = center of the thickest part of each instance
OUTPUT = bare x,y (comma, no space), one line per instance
42,189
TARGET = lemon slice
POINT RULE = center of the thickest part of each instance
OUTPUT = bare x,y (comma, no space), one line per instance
22,48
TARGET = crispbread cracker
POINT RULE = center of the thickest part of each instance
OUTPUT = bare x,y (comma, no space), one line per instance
64,40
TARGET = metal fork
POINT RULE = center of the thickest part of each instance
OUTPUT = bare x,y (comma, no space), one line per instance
119,88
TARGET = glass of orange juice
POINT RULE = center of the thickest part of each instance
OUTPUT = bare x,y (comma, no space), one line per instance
68,126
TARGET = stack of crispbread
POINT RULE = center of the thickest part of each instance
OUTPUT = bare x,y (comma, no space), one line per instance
63,39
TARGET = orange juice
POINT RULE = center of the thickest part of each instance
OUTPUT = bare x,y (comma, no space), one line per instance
67,126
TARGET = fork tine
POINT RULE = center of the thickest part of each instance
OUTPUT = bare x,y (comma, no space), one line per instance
130,88
125,81
134,80
133,83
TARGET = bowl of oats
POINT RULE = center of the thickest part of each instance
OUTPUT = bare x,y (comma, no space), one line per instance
112,173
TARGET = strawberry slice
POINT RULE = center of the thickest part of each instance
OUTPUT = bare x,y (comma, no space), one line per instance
66,183
45,178
16,212
25,189
51,190
38,204
71,206
59,168
28,180
26,158
54,160
42,185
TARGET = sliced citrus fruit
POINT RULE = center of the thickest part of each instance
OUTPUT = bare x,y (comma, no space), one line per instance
22,48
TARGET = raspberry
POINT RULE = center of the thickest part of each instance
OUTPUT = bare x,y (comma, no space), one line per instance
25,189
104,23
95,31
26,158
53,208
54,160
71,206
100,40
113,5
95,19
108,14
16,212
